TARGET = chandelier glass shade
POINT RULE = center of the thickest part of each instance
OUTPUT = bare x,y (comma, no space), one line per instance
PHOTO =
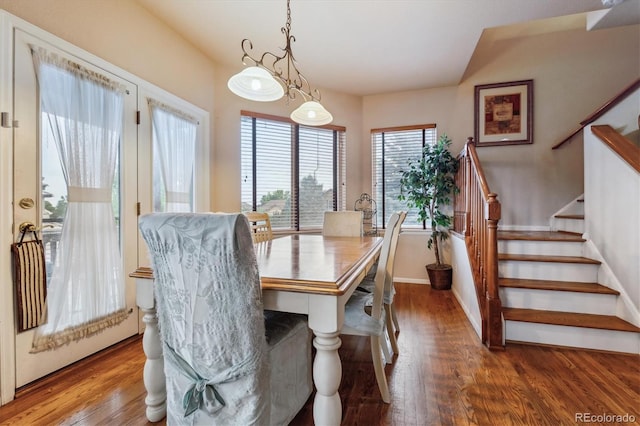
256,84
270,77
311,113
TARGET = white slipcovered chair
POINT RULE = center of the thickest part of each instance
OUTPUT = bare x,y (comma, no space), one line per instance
347,223
368,285
365,313
227,361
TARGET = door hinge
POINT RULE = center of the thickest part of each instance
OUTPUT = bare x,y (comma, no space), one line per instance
137,117
6,122
138,209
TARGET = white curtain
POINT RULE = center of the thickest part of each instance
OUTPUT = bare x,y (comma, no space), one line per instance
174,145
84,109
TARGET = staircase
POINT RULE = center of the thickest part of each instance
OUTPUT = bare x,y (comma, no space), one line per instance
550,294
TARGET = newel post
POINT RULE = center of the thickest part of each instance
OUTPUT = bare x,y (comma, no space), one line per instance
494,306
468,187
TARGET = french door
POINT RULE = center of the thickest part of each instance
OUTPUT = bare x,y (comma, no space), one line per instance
41,197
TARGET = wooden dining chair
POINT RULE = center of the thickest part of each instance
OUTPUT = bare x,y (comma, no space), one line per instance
346,223
368,285
226,360
260,224
364,312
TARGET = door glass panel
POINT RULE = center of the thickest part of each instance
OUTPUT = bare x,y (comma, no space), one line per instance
54,198
174,136
82,113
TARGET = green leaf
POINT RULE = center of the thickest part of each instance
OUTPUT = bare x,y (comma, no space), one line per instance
428,185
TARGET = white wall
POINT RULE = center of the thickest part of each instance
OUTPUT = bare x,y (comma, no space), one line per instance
412,255
574,73
463,286
126,35
612,204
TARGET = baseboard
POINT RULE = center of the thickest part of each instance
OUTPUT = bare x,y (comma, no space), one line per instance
476,327
400,280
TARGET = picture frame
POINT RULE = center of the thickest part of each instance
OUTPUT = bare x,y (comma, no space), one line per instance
504,113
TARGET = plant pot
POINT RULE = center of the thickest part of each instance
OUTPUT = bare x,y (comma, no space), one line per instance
440,277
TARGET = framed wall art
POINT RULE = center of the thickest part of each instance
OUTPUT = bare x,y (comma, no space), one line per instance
504,113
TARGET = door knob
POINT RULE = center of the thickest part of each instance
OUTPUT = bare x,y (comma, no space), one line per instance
27,227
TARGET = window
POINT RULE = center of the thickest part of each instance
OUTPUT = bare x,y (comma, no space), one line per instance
295,173
174,149
173,155
392,148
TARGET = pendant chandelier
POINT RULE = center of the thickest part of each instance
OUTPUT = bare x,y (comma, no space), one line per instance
271,76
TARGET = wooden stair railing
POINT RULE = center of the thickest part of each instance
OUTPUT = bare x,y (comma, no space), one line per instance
600,111
476,216
626,149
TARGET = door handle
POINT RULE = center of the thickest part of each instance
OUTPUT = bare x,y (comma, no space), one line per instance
27,227
30,227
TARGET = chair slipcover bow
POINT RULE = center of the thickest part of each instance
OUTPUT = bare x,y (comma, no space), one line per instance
202,394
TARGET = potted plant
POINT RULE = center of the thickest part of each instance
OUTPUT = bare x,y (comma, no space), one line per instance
428,185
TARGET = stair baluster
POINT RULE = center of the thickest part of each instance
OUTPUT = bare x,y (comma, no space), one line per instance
476,215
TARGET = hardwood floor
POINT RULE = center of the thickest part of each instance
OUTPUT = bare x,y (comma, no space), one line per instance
443,376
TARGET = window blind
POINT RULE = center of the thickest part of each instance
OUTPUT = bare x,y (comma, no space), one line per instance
392,149
295,173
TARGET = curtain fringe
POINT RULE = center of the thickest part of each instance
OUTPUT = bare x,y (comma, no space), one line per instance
52,341
52,58
153,103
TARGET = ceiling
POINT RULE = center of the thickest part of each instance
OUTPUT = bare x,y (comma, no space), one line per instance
355,46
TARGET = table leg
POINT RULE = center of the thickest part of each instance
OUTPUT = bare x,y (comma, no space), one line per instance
153,376
327,374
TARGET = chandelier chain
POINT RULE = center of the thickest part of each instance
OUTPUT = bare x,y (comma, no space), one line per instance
283,67
288,24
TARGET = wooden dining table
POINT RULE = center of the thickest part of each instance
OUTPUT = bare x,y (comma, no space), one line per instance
306,274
